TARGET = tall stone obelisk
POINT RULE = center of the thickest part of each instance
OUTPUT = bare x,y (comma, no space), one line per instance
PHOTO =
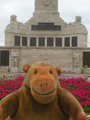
46,6
46,11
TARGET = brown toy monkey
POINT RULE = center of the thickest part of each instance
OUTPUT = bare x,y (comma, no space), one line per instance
41,98
26,68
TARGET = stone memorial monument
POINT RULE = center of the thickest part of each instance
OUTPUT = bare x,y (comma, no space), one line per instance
45,37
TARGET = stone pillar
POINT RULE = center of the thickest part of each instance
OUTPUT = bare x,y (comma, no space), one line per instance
36,41
63,45
54,42
78,19
28,41
70,41
45,41
20,40
13,19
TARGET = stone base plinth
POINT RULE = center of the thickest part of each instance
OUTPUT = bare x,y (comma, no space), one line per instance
4,68
77,70
14,69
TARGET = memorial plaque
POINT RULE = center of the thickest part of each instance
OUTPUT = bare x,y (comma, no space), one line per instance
49,41
17,41
86,59
58,41
74,41
46,27
41,41
24,41
57,27
32,41
4,58
34,27
67,42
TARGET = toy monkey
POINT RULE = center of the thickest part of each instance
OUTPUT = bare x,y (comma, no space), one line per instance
41,97
26,68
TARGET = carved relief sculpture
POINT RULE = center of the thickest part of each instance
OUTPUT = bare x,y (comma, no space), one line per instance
76,59
46,2
15,59
45,56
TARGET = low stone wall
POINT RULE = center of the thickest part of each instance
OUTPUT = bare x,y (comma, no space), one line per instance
68,59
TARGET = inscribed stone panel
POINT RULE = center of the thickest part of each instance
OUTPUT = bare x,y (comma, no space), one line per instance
41,41
49,41
4,59
17,41
32,41
67,41
24,41
74,41
58,41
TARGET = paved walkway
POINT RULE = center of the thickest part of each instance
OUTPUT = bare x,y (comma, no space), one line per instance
68,74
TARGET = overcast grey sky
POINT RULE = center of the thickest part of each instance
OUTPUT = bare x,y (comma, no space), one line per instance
24,9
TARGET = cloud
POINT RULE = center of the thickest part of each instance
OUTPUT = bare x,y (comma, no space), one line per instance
23,9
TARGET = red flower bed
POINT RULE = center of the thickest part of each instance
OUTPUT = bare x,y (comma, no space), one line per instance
8,86
79,87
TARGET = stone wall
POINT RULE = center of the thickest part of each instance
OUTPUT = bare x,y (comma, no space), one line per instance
46,12
68,59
